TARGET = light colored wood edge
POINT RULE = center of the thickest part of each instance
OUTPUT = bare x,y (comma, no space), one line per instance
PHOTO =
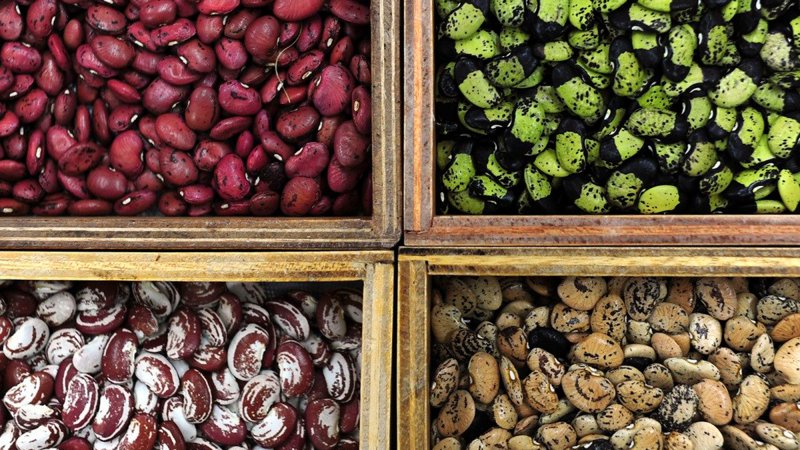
413,350
222,266
376,371
420,130
387,120
417,265
716,229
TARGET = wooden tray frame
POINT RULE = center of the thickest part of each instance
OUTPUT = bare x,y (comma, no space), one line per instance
423,227
381,230
416,266
374,268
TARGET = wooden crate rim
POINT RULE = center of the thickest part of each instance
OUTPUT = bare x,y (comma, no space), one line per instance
191,266
423,227
382,229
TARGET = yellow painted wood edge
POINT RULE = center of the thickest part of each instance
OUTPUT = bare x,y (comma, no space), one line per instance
190,266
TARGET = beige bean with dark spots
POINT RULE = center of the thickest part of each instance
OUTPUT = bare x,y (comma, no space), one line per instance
568,320
641,295
614,417
539,393
581,293
787,361
751,401
741,333
445,382
658,375
705,436
610,317
787,328
705,333
718,295
668,318
557,436
715,404
599,350
762,355
484,377
778,436
639,397
456,415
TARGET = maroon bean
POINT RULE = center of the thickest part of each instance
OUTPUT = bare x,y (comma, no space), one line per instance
6,78
274,145
293,95
261,37
175,72
342,51
196,194
186,8
264,203
52,205
240,208
23,83
73,34
85,93
273,86
48,177
173,131
362,110
36,153
113,52
245,143
155,13
231,53
198,56
333,90
146,62
87,59
16,146
286,57
124,91
349,146
209,153
160,96
209,28
327,129
135,203
237,23
11,207
199,210
123,117
290,31
132,12
106,183
322,207
58,141
229,127
306,66
149,181
342,179
293,11
230,178
11,23
310,36
9,123
350,11
238,99
359,67
297,124
136,79
11,170
171,204
49,77
80,158
28,191
20,58
331,28
310,161
31,106
76,186
172,34
126,153
41,17
59,52
299,196
147,127
139,34
177,167
257,160
90,207
106,19
253,75
202,109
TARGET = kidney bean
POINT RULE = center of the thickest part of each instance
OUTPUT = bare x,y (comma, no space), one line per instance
31,106
237,23
310,161
126,153
292,11
58,140
229,127
136,79
80,158
327,129
123,117
140,36
239,99
346,204
272,87
359,66
261,37
146,62
240,208
90,207
209,28
197,56
171,204
159,97
52,205
48,177
299,195
177,167
245,143
11,24
20,58
306,66
41,17
231,53
124,92
230,178
290,31
85,93
73,34
106,183
333,89
59,52
16,146
274,145
9,123
149,181
36,152
342,51
135,203
199,210
331,28
175,72
23,83
293,95
361,110
209,153
76,186
310,36
28,191
286,57
49,77
350,11
6,78
172,129
297,124
106,19
174,33
156,13
264,204
12,207
342,179
186,8
113,52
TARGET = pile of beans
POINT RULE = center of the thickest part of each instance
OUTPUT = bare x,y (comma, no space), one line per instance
172,366
185,107
623,106
616,364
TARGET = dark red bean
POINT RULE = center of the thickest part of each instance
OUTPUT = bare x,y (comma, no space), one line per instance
261,37
231,53
174,33
115,53
177,167
209,28
350,11
299,196
171,204
135,203
52,205
238,99
41,17
106,183
310,161
230,178
20,58
155,13
209,153
310,36
106,19
237,23
294,11
197,56
126,153
229,127
90,207
264,204
175,72
217,7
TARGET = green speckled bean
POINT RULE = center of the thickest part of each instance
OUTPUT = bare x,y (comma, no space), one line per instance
465,20
789,189
659,199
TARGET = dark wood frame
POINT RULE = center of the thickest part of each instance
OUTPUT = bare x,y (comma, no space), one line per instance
416,266
423,227
381,230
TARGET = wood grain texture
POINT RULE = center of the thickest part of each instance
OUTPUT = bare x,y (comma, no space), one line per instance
381,230
417,265
423,227
413,349
150,266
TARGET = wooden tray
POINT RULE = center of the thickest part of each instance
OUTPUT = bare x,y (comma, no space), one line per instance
374,268
417,266
423,227
381,230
